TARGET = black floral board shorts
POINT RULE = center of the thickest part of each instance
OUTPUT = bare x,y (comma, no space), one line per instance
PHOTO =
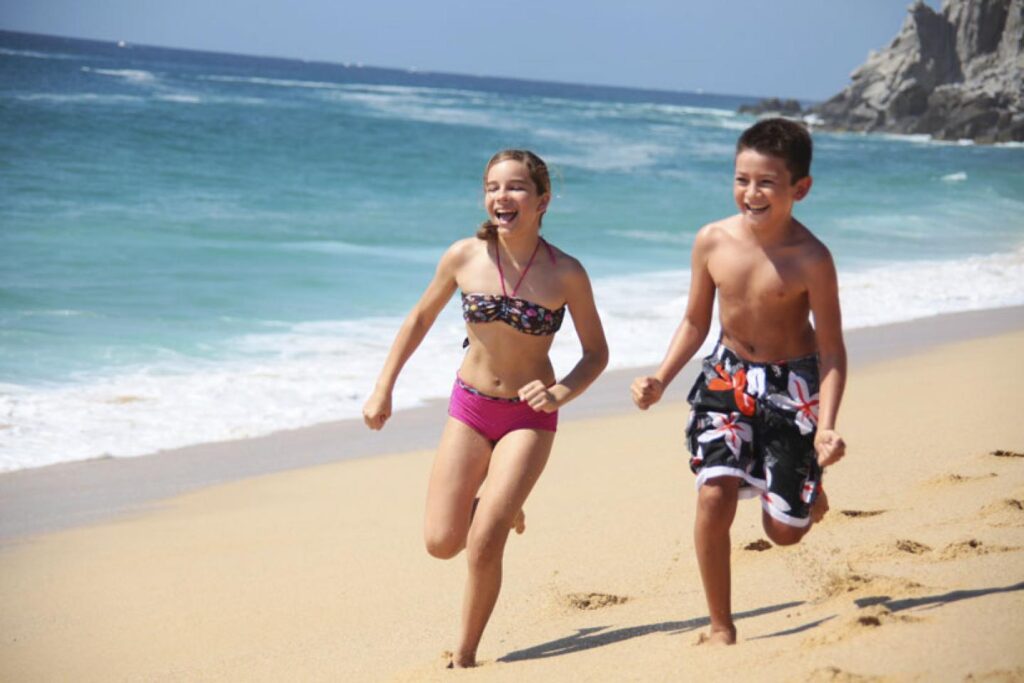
756,422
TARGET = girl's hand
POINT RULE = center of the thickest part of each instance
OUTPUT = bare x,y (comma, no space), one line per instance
829,446
539,397
377,409
646,391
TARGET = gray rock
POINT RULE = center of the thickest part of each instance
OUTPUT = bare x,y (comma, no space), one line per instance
773,105
954,74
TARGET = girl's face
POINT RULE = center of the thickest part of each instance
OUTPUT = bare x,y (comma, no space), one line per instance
511,198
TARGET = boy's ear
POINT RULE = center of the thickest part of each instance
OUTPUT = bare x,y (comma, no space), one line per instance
803,187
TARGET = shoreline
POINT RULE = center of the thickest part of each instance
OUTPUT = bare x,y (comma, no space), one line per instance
68,495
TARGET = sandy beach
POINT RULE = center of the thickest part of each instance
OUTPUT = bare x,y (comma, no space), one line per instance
296,558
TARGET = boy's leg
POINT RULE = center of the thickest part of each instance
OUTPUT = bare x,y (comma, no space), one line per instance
781,533
716,509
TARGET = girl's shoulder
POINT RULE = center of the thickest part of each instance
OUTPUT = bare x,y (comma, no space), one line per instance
466,248
565,262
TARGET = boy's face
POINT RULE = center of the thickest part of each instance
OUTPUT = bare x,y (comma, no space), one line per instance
763,189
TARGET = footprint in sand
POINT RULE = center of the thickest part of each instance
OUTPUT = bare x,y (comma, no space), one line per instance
877,615
867,619
1007,454
833,674
971,548
861,513
1006,512
589,601
759,545
842,583
963,478
913,547
997,676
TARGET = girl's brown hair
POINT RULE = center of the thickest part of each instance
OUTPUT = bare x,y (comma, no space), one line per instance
538,171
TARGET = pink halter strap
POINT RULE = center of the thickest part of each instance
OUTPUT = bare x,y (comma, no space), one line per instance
522,276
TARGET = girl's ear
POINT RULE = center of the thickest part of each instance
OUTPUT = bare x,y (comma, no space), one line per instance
544,201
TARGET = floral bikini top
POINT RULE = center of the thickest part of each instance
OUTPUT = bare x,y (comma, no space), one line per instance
523,315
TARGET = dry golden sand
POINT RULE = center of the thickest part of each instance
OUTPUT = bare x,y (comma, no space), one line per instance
917,574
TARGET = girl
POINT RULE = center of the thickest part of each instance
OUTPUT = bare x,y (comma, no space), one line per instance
504,405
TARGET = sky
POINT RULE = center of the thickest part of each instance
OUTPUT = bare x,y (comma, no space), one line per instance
787,48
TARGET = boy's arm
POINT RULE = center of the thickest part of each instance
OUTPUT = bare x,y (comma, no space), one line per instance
692,329
823,294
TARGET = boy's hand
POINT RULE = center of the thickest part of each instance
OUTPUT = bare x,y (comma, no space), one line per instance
538,397
829,446
377,410
646,391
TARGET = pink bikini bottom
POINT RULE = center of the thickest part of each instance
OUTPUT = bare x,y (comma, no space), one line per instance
494,417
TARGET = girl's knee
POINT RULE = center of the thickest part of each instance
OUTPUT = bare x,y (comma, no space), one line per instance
487,544
443,546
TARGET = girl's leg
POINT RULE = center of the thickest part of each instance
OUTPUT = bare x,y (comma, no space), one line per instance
716,509
460,466
516,464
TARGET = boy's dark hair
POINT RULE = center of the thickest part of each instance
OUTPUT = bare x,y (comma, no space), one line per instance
782,138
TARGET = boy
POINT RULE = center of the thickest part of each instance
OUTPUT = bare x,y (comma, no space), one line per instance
761,423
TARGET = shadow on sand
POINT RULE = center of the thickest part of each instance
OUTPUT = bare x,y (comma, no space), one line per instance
587,638
933,601
928,602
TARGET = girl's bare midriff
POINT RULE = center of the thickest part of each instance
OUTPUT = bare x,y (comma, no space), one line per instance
500,359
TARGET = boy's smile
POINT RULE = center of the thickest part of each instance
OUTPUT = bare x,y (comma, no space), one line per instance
763,189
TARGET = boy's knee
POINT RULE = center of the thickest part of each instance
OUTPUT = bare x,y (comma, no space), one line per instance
783,534
718,493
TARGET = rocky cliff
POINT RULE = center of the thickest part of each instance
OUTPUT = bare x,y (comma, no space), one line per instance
953,74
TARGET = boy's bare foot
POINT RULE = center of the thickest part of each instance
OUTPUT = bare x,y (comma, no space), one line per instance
718,636
519,523
820,506
460,661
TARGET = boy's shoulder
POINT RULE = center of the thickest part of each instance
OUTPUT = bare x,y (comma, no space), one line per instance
810,247
725,228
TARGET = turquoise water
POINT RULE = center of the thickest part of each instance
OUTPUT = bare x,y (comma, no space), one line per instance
197,246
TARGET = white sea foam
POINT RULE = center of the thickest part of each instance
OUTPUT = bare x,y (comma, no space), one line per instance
180,97
131,75
32,54
279,82
955,177
80,98
304,374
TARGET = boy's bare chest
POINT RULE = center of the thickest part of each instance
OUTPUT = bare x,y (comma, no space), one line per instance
756,275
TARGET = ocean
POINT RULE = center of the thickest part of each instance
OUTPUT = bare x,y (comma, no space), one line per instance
197,247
